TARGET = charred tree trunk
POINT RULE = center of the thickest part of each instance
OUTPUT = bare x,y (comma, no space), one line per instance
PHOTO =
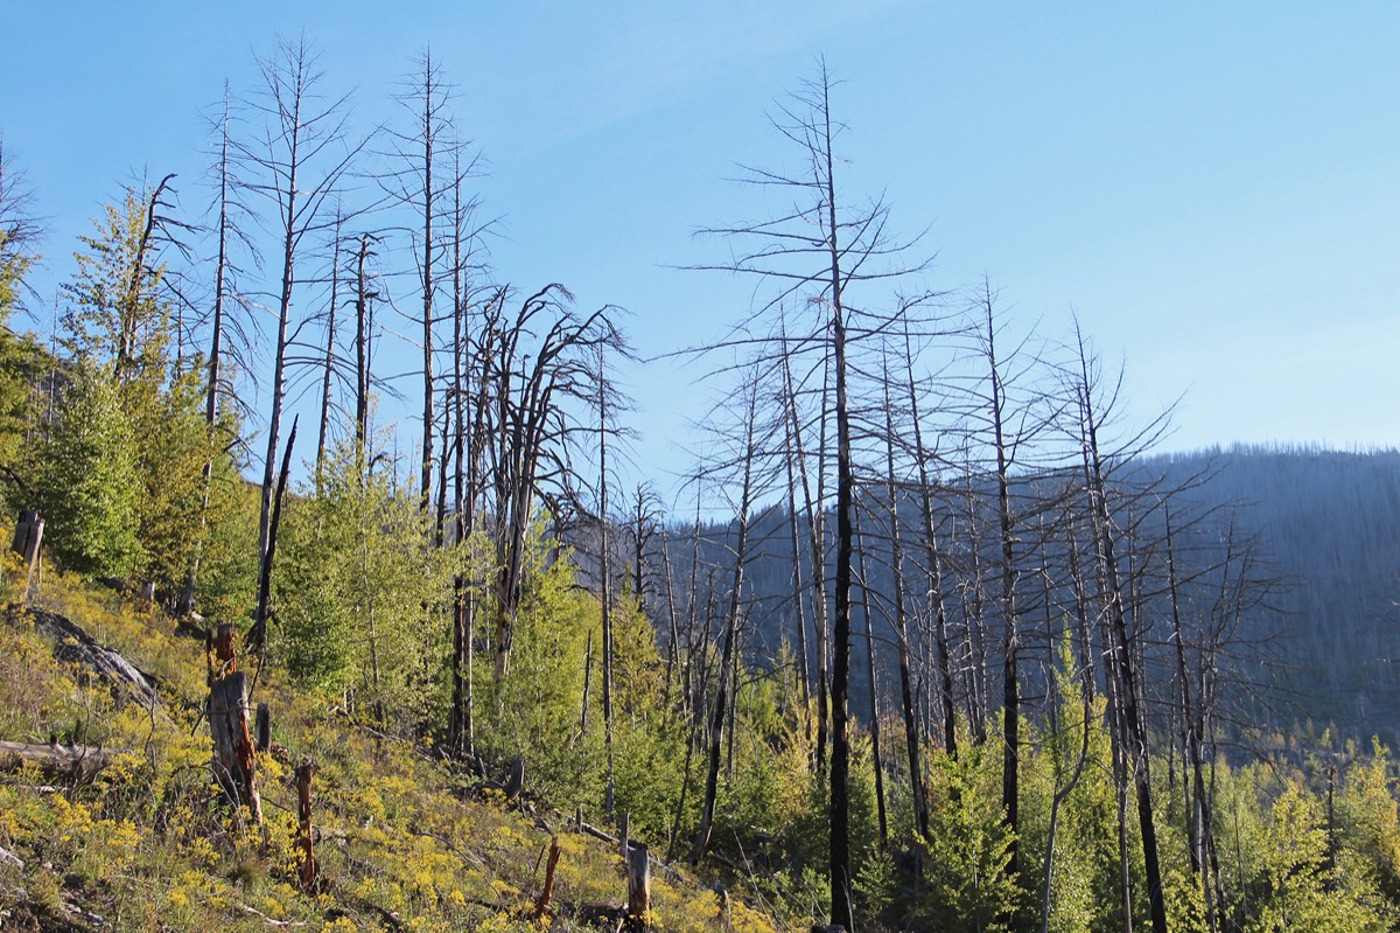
874,691
722,697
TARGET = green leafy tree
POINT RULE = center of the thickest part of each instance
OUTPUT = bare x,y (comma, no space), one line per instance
534,711
118,324
355,569
1296,888
227,584
1368,825
115,317
87,484
175,444
969,846
22,361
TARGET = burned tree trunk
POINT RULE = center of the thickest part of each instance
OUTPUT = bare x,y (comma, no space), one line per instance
233,764
310,868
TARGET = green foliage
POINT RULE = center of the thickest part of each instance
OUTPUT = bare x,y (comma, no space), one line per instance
968,845
535,711
22,363
357,584
175,446
228,555
1294,888
1368,824
115,318
87,484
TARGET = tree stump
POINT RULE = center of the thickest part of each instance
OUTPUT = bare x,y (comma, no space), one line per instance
309,866
623,824
233,747
221,654
29,536
515,780
726,915
638,888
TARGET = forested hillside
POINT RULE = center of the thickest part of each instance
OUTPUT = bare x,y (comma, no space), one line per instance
941,645
1315,647
1327,523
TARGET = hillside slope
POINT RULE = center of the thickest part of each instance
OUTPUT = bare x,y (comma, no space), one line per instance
142,844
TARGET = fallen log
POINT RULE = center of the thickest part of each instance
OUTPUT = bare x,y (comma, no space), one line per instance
77,761
77,646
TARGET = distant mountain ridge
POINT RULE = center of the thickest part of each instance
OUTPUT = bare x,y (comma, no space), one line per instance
1318,635
1328,522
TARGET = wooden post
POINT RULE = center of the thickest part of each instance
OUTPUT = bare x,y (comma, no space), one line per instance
542,903
309,866
622,827
263,728
638,888
29,535
233,748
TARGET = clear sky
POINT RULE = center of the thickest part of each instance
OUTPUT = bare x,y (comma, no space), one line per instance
1213,187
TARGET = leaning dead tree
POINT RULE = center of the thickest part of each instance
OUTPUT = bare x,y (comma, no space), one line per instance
538,378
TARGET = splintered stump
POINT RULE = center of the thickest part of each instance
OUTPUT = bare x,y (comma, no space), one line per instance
309,866
220,653
542,902
638,888
233,746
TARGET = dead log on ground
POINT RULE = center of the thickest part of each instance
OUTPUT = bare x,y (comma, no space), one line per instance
76,646
75,761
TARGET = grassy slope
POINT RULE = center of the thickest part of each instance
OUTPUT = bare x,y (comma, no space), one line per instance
142,848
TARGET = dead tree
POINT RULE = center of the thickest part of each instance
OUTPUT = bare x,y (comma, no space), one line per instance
228,335
426,182
329,360
605,581
1090,418
526,384
724,688
912,744
933,565
874,694
813,250
296,165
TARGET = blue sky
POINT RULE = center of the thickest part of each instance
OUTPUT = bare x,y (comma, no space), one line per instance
1213,188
